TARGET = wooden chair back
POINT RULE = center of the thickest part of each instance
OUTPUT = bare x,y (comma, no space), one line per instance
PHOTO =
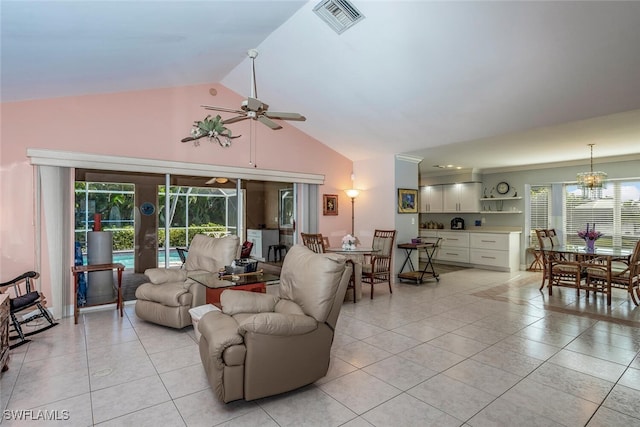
315,242
383,240
551,234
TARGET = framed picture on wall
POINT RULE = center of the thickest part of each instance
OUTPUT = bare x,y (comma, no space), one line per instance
407,200
330,204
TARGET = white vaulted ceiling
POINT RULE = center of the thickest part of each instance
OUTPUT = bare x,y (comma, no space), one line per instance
479,84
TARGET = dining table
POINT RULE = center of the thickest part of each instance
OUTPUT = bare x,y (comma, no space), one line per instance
357,256
584,256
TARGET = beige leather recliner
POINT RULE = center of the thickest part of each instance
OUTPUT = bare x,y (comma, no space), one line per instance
262,344
166,300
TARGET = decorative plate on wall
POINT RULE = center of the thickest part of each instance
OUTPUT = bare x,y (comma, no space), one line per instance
147,208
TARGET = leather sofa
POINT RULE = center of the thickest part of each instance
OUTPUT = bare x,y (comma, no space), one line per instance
262,344
170,293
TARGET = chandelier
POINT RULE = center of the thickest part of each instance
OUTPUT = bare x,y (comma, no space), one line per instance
592,182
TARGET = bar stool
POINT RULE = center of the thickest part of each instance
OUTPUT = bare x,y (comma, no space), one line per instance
277,252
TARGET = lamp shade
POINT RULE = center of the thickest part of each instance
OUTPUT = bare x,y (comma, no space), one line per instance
352,193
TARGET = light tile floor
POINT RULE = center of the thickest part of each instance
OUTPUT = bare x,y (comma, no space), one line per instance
479,348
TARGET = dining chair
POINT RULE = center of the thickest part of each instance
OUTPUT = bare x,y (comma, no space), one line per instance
352,279
551,234
544,242
315,242
624,275
563,272
377,268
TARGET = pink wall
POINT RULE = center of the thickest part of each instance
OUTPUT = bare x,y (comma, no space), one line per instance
146,124
375,206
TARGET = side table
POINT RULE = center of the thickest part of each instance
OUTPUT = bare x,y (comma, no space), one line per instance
78,269
418,276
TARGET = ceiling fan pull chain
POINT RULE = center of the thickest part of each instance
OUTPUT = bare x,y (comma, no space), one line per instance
255,146
251,143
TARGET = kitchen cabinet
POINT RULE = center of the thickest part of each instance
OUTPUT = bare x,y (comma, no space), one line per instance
463,197
454,246
492,249
495,250
261,240
431,199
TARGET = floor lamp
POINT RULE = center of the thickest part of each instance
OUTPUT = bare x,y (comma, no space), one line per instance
352,193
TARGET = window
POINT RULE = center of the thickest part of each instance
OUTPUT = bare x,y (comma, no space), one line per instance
539,209
617,214
115,203
212,211
193,210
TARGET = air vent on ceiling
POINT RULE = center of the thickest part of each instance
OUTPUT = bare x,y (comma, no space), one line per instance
339,14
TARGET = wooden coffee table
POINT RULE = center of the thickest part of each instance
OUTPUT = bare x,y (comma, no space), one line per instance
215,286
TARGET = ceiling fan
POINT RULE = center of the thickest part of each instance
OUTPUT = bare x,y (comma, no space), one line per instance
253,108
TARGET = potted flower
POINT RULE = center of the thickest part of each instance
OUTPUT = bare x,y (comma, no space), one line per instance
348,242
590,236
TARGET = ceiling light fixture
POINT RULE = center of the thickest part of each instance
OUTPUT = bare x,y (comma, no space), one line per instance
591,182
447,166
218,181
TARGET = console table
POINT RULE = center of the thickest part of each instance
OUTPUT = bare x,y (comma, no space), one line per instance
79,269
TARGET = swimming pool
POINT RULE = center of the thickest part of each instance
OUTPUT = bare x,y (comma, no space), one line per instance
126,258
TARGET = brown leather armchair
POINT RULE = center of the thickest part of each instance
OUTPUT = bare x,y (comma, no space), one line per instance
262,344
169,295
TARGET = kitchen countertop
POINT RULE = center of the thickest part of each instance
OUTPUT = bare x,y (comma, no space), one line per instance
480,229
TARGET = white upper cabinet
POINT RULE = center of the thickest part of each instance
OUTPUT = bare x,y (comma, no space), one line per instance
431,198
463,197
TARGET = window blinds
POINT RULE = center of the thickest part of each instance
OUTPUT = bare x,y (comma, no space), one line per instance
617,214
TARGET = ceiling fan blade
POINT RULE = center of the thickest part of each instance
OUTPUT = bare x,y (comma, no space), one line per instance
235,119
226,110
286,116
267,121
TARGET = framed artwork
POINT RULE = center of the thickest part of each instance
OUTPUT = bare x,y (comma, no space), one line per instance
407,200
330,204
